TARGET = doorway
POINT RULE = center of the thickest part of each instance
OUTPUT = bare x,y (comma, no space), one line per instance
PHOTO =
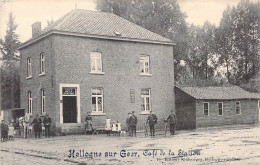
69,109
69,103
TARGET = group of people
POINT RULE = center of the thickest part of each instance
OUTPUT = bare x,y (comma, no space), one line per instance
7,131
37,125
131,123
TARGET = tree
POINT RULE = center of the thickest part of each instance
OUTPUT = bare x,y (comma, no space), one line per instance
163,17
10,78
238,41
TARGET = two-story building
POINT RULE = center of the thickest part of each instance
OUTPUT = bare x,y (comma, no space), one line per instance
90,61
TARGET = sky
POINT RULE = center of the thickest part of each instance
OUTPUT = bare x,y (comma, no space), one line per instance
27,12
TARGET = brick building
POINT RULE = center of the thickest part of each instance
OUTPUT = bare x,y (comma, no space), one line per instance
89,61
215,106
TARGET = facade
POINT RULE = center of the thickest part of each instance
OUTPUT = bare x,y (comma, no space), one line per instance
96,62
215,106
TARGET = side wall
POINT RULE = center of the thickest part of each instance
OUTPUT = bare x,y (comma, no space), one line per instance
185,110
121,66
37,82
249,113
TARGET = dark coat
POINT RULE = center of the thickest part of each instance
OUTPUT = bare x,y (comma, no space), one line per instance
88,118
171,119
47,121
37,124
152,119
132,120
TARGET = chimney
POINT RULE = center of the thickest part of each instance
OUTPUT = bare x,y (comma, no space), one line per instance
36,29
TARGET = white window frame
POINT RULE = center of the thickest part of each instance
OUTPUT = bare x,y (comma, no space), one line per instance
42,64
78,101
93,56
96,97
30,102
143,97
221,107
239,107
43,101
143,60
204,108
29,68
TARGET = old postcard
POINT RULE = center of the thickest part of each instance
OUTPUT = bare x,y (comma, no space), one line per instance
130,82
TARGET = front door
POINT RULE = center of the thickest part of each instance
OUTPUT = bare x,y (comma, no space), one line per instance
69,109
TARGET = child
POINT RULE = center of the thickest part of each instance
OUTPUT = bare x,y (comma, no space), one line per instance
11,131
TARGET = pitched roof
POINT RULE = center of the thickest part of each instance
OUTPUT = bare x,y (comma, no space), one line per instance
97,23
219,93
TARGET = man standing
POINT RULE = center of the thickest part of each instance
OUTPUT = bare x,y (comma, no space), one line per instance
37,126
3,130
133,123
47,125
172,122
26,123
152,120
127,123
88,120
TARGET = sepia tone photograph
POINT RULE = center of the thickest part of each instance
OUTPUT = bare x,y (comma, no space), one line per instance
129,82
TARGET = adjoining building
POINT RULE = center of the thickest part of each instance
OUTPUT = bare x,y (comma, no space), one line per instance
90,61
215,106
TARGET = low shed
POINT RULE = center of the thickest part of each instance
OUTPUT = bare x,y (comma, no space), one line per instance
215,106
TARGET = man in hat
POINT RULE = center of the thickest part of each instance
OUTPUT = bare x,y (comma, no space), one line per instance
37,126
127,123
3,127
133,123
47,125
172,122
152,120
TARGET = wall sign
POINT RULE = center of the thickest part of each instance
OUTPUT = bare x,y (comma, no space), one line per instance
132,95
68,91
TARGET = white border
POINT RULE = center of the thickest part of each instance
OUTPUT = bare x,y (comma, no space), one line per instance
78,102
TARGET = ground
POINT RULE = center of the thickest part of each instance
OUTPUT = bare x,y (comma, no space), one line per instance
218,145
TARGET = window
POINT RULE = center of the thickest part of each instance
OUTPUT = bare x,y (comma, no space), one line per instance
144,65
42,64
97,100
238,108
95,62
29,67
220,109
146,99
206,109
30,102
43,101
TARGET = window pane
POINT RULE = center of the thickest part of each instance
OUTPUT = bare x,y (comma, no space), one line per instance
147,103
99,104
142,104
220,112
99,65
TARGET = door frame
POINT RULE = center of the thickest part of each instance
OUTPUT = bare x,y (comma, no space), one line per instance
78,101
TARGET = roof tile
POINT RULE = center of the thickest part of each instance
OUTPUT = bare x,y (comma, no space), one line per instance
219,93
102,23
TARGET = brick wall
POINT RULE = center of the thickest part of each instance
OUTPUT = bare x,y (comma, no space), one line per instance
68,62
36,83
249,113
121,67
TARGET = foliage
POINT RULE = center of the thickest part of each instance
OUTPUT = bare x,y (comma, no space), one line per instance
10,77
238,41
163,17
